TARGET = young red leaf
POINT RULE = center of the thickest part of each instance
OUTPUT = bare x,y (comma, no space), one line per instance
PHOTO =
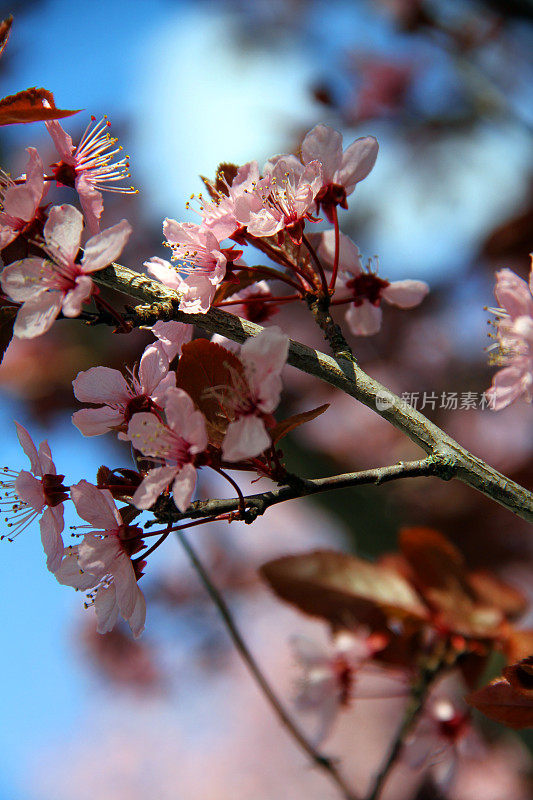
287,425
520,676
343,589
501,702
440,575
5,30
27,106
205,366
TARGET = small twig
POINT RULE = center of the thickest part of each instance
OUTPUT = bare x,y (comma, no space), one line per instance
321,761
319,267
257,504
419,693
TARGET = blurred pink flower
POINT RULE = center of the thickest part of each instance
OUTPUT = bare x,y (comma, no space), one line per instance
48,287
329,674
102,560
41,491
121,398
341,171
263,357
442,739
175,444
513,349
19,203
89,167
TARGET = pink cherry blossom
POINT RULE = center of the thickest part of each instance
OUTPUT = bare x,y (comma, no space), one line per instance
196,291
263,358
19,203
219,214
196,249
102,561
172,336
175,445
252,303
89,168
364,287
282,199
341,172
328,675
513,348
41,491
121,398
48,286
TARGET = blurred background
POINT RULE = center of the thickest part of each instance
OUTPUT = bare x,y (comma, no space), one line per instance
446,87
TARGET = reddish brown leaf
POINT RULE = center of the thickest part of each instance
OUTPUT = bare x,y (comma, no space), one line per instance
440,575
518,644
500,701
5,30
28,106
7,321
490,589
287,425
245,278
520,676
204,366
343,589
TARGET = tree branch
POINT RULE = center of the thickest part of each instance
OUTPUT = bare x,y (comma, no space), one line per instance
257,504
342,372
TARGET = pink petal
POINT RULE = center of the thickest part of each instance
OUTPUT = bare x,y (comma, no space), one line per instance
22,201
364,320
70,573
197,293
106,607
245,438
152,368
506,387
75,298
349,256
45,459
37,315
172,335
63,232
96,421
51,539
101,385
164,272
264,357
513,294
357,161
26,442
309,652
23,280
323,144
138,616
155,482
97,555
169,382
30,489
62,141
125,584
105,247
148,435
96,506
405,294
92,203
183,487
185,420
